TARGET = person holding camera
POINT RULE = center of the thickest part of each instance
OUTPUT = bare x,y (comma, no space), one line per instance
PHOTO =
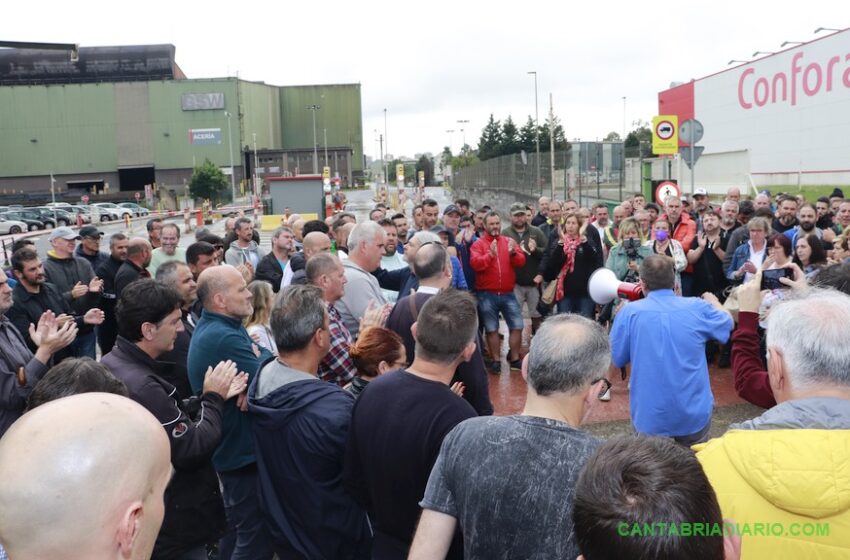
625,257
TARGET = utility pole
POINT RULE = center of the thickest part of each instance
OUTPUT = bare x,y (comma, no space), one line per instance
325,130
256,164
551,145
537,131
387,151
230,152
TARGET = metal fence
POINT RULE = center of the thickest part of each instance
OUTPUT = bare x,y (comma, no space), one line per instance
584,170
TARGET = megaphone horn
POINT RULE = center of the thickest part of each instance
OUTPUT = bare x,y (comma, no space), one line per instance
604,286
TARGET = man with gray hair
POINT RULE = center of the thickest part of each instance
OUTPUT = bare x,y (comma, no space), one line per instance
366,247
300,425
788,464
271,266
177,276
495,475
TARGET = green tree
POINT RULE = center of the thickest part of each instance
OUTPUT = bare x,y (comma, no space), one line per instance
559,136
467,156
510,138
639,141
446,156
208,182
491,140
526,136
425,164
612,137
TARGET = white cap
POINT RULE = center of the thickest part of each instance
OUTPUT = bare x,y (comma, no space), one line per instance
700,192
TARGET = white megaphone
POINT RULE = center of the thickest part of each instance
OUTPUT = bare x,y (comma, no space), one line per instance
604,287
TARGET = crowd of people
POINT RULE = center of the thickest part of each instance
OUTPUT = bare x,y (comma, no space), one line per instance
329,398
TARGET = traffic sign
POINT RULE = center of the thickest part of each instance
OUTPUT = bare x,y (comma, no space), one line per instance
326,172
686,154
399,171
666,189
421,176
691,132
665,140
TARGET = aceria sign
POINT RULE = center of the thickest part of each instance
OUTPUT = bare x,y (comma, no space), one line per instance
204,136
812,79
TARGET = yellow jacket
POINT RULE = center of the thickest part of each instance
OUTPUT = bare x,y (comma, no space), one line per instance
790,485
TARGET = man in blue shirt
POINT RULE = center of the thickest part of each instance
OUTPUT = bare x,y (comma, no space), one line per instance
664,336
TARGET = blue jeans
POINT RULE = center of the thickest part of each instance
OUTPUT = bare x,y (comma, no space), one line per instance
582,305
248,537
490,305
84,345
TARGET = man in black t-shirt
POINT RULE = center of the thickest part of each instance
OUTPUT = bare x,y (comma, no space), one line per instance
509,481
400,420
706,255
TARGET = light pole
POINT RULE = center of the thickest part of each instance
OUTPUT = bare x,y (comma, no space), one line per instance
386,150
537,130
463,124
450,132
256,164
325,132
315,108
230,152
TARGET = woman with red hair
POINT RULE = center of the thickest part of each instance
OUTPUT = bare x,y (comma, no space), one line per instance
377,351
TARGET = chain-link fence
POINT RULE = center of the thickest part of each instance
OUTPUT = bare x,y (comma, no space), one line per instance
585,170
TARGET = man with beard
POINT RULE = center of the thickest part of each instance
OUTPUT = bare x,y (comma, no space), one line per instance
34,295
728,221
807,218
177,276
706,256
107,271
272,265
135,265
400,221
786,217
430,213
701,206
824,214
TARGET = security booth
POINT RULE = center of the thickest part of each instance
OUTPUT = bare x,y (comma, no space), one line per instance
302,194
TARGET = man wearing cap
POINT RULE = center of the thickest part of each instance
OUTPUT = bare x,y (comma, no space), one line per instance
461,240
89,247
533,243
76,281
33,296
701,206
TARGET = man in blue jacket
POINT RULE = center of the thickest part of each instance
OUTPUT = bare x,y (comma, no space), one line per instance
300,425
219,335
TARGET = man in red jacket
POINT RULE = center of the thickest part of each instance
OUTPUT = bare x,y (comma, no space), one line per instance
684,230
494,257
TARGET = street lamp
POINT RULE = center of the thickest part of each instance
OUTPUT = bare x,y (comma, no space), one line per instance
758,53
315,108
230,152
450,132
462,124
791,43
819,29
536,128
733,61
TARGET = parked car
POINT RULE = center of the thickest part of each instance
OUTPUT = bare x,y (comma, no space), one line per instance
57,216
84,212
137,210
31,225
113,209
23,214
57,204
11,226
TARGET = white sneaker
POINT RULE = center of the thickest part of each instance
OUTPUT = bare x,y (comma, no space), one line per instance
606,396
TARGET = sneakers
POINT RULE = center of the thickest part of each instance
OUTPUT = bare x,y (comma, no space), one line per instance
516,364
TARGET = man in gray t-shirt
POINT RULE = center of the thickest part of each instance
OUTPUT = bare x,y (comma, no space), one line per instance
509,482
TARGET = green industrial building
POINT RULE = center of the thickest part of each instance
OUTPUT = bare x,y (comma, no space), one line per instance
120,118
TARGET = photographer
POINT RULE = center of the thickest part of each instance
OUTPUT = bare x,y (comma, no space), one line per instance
625,257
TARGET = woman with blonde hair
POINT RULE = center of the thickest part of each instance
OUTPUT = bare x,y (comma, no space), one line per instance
257,324
571,260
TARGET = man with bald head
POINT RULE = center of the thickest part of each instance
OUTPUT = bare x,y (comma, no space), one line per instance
139,253
220,335
99,489
315,242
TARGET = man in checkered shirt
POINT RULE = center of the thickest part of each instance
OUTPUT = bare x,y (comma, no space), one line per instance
326,271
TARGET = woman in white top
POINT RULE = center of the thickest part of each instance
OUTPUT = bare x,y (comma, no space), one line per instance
257,324
663,244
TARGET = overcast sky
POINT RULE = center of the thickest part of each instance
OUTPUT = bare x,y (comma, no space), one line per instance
432,64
